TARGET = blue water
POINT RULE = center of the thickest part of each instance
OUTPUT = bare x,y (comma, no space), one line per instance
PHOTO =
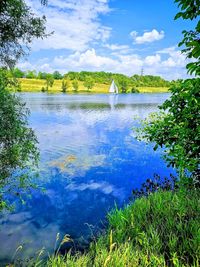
90,161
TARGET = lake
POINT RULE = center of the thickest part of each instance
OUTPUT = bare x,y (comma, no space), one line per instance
90,162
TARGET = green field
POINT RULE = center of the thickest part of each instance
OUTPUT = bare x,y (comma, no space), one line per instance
35,85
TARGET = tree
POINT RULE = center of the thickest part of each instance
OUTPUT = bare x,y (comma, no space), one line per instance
42,75
49,81
18,143
17,73
89,83
18,27
65,85
72,75
176,127
75,85
57,75
190,9
31,74
123,85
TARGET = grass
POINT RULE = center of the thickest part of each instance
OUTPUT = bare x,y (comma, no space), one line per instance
35,85
153,89
160,230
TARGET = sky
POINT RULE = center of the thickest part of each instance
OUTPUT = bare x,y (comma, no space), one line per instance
120,36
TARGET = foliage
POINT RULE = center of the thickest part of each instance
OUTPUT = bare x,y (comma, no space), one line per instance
89,83
153,185
177,126
149,80
107,77
31,74
65,85
49,81
160,230
75,85
57,75
18,144
190,9
42,75
18,27
134,90
18,149
35,85
123,86
16,73
104,78
72,75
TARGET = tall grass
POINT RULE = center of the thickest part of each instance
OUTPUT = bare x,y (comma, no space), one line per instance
160,230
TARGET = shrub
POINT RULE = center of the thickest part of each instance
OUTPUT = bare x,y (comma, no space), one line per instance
176,127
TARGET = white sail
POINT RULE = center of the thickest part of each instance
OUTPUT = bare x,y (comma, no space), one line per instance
113,88
116,89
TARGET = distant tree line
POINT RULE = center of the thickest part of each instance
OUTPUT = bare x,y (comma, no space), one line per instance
123,81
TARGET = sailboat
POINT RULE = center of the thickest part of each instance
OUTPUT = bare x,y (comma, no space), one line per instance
113,88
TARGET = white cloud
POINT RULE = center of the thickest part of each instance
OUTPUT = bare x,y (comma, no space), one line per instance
75,23
168,63
152,60
115,47
88,59
147,37
175,57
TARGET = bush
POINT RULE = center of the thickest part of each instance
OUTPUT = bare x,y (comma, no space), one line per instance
176,127
134,90
154,185
43,89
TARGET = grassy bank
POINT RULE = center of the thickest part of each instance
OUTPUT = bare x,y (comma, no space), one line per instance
161,230
35,85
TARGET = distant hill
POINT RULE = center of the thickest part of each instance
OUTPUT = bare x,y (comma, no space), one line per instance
98,79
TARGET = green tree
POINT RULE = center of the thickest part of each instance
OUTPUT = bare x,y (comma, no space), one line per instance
49,81
42,75
18,149
123,86
65,85
18,27
31,74
72,75
89,83
75,85
190,9
57,75
177,126
18,144
17,73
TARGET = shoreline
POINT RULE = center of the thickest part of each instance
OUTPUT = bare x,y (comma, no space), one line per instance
35,85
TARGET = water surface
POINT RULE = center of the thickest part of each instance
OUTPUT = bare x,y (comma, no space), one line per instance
90,161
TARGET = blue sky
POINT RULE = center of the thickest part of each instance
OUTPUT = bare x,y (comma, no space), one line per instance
121,36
